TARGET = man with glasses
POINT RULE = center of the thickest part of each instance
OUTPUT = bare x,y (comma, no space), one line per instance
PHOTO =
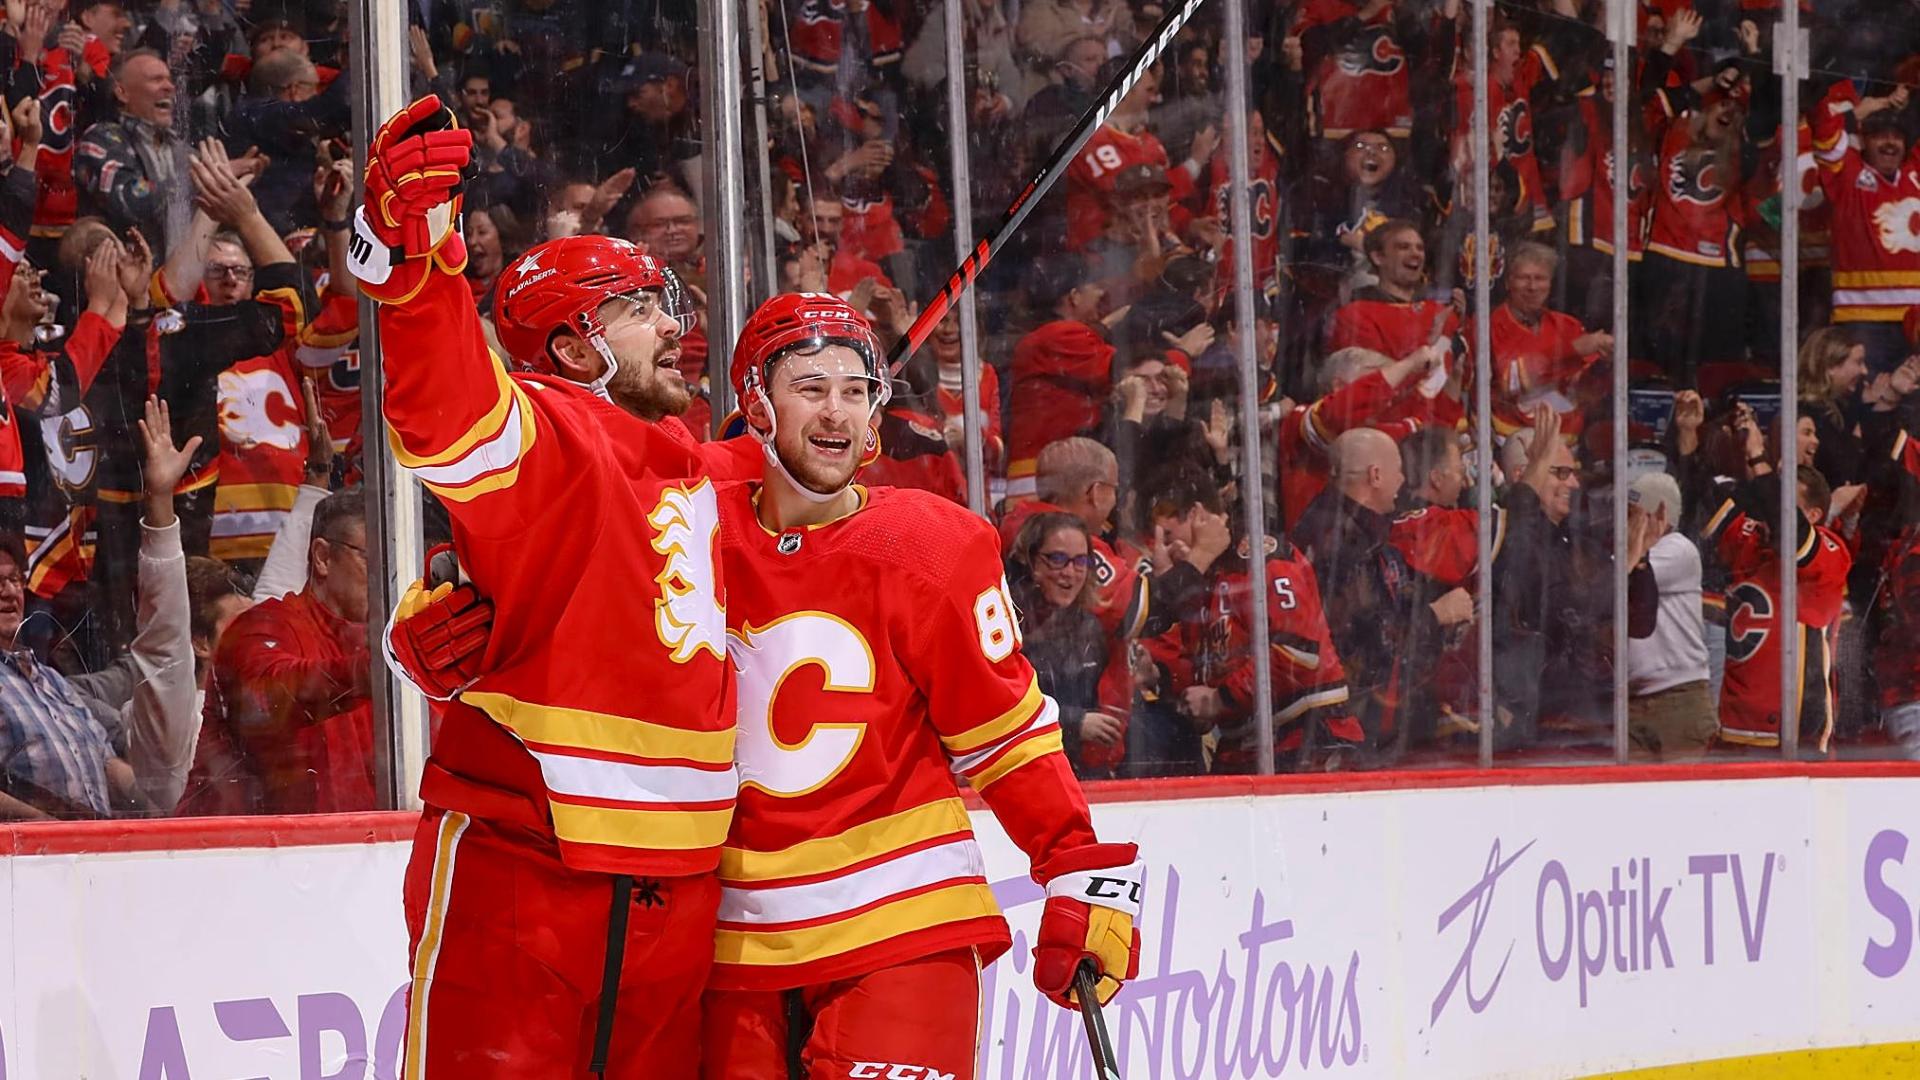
283,113
291,679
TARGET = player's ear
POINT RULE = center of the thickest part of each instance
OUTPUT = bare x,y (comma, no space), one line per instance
573,358
758,412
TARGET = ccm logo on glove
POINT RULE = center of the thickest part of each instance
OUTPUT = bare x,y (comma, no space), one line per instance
1107,888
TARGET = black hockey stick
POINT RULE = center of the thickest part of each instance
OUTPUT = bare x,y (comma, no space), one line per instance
1050,173
1086,981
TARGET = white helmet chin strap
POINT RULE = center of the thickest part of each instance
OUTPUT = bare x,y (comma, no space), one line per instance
598,387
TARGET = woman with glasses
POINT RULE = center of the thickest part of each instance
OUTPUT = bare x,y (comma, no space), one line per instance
1050,574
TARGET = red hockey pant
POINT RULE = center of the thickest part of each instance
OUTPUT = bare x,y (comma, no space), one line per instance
919,1020
509,950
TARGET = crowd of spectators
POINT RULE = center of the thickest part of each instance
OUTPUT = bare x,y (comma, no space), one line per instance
183,566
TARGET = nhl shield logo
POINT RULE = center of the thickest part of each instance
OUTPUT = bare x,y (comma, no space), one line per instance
788,544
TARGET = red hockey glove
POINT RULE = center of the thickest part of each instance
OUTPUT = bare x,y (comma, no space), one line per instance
437,635
409,224
1093,901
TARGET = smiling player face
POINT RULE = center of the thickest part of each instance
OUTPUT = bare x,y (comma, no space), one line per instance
822,402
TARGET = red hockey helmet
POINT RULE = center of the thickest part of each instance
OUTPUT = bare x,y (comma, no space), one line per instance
794,321
560,285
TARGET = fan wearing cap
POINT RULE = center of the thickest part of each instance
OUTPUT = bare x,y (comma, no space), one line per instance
852,885
560,900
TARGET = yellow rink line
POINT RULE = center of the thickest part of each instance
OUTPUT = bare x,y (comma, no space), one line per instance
1885,1061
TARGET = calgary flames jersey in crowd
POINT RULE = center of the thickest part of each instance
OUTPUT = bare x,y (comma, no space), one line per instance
1696,208
1304,665
1875,221
1509,129
1377,320
878,660
1750,695
1535,365
1091,176
1364,85
612,729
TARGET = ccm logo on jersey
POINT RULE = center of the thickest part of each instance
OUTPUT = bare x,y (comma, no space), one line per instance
871,1070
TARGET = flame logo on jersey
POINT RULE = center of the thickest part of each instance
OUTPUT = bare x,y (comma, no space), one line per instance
1513,130
688,614
1749,621
1373,52
1265,205
1496,258
56,112
258,408
1897,226
1694,177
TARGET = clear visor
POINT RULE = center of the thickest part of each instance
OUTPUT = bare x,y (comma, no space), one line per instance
673,298
811,364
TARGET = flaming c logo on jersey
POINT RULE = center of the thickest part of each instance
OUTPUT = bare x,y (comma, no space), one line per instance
1373,52
688,614
1898,226
1514,128
1694,178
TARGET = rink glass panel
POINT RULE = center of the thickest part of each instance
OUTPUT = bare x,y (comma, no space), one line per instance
868,104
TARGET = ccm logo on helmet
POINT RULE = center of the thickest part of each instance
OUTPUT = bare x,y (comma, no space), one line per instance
824,313
871,1070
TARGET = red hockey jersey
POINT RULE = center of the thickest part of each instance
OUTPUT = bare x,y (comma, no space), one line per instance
879,664
1442,545
1061,375
1875,220
1696,205
1390,326
819,30
537,474
52,81
1264,171
1091,176
1307,431
1750,695
1304,665
1509,130
1535,365
1364,86
953,403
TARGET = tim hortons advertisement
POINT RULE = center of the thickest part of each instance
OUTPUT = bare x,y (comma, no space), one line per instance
1550,931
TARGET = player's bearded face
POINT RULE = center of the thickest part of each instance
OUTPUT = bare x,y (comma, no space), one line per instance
822,404
645,341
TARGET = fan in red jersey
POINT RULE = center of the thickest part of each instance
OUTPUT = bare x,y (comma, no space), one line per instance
556,797
1743,533
851,882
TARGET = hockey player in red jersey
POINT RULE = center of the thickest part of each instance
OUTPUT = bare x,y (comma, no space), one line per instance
854,900
560,900
853,892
